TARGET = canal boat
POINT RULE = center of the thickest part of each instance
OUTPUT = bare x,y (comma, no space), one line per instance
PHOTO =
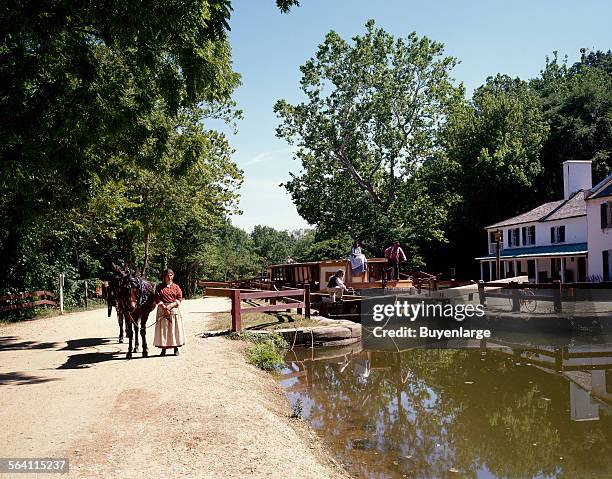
317,274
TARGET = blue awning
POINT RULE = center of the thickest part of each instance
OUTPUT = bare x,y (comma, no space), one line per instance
535,251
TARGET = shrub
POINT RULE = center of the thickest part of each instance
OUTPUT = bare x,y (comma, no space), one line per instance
267,351
265,356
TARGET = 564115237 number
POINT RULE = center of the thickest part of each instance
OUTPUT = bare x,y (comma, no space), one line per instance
31,465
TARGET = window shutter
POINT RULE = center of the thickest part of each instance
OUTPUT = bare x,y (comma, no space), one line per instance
552,234
509,238
561,234
606,265
524,235
604,215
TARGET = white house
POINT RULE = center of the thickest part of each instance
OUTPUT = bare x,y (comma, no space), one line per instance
558,240
599,237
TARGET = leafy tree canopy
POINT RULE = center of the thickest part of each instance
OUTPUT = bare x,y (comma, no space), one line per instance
373,111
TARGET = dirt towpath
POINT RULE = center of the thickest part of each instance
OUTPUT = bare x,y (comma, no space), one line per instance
67,391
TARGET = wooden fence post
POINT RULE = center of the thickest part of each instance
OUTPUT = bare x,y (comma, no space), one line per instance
300,311
236,318
559,360
557,296
307,301
61,293
516,305
481,293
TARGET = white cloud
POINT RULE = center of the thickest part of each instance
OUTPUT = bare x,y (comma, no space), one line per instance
267,156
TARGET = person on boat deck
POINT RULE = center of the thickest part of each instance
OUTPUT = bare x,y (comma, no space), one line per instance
395,255
336,286
359,264
169,330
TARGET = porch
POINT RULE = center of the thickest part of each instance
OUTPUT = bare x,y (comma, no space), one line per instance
543,264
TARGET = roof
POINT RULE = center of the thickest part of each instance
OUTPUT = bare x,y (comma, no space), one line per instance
601,189
537,251
573,206
553,210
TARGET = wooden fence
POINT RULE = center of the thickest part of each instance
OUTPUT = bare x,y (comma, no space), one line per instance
558,292
292,299
249,283
8,303
431,284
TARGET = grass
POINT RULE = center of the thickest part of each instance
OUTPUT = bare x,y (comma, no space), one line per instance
266,351
263,321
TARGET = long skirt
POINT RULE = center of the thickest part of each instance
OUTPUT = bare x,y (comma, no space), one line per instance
358,264
169,332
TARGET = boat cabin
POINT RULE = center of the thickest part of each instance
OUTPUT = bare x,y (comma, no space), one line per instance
317,274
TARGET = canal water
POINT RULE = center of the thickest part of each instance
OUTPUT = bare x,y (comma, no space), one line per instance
494,411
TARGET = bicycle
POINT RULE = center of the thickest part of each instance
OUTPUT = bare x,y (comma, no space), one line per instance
526,299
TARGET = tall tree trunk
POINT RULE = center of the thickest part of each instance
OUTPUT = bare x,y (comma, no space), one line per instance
187,283
147,242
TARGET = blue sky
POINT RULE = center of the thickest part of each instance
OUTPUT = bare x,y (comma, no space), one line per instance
487,37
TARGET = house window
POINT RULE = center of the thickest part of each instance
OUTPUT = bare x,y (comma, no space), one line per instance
514,237
493,243
531,235
606,215
557,234
528,234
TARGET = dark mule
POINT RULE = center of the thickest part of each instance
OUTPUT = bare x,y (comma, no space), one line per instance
136,298
112,299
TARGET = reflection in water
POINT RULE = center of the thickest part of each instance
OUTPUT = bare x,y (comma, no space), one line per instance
496,411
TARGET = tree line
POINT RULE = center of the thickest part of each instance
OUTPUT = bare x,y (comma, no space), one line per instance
108,151
391,147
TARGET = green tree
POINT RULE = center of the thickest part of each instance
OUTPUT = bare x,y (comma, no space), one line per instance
371,119
577,104
324,249
100,95
272,245
490,162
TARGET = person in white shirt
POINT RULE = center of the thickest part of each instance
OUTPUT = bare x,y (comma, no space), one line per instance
336,286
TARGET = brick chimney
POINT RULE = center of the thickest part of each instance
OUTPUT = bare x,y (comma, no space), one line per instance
576,176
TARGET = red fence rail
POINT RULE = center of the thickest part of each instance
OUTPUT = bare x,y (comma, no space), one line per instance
12,306
292,299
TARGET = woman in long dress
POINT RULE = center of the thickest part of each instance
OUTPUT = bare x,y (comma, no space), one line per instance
169,330
359,263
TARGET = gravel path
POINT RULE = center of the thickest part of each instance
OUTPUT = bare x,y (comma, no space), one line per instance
67,391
